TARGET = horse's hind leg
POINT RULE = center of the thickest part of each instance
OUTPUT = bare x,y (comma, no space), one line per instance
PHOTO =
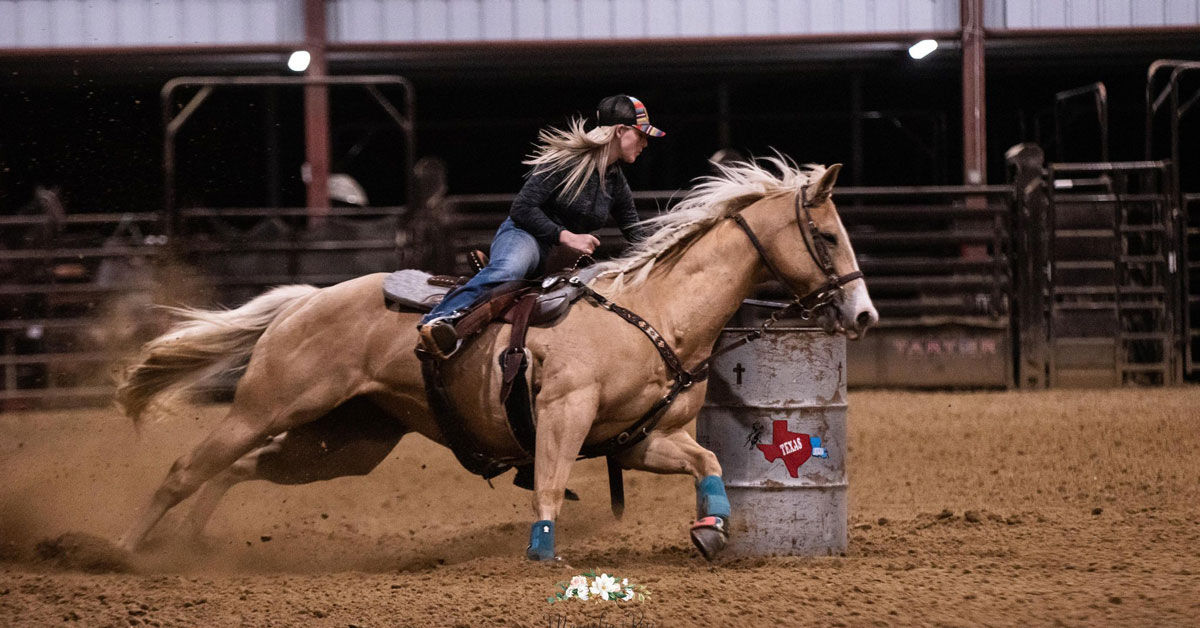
209,495
677,452
233,438
351,439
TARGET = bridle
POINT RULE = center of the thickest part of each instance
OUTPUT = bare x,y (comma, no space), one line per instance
818,250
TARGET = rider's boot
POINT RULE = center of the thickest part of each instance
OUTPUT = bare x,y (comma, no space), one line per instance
438,337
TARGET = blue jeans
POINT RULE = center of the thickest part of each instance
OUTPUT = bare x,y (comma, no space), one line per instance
515,254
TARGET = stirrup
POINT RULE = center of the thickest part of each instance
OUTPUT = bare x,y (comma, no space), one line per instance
439,338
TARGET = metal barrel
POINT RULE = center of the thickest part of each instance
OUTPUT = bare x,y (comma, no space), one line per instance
775,416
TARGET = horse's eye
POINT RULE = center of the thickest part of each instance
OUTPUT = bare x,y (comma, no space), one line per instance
828,237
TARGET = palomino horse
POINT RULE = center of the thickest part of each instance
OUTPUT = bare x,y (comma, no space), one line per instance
333,366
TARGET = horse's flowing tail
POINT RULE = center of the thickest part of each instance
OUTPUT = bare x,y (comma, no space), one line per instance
206,343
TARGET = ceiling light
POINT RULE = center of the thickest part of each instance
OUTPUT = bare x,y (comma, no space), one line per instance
298,62
921,49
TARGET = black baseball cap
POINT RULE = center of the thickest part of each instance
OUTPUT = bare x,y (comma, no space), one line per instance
622,109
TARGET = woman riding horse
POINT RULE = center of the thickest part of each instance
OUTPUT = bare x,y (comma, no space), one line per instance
329,382
571,190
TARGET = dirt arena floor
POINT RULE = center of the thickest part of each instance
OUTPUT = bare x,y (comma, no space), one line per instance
967,509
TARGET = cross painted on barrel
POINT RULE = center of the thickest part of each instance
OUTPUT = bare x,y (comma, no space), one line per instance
794,449
738,370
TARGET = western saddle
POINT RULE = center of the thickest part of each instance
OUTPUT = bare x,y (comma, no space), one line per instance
521,304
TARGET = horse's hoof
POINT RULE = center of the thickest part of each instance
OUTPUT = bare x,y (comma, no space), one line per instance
542,559
540,554
84,552
709,535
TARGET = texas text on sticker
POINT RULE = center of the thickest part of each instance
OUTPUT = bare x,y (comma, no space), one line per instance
793,448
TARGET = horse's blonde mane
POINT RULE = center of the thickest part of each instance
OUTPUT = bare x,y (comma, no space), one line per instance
712,199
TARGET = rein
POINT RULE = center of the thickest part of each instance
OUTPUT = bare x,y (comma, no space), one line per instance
823,295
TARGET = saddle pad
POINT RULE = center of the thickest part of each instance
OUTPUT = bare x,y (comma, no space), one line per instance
410,289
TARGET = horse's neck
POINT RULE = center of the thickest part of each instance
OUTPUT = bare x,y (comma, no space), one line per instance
691,301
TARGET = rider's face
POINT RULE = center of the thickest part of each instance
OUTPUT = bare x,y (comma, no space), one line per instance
632,142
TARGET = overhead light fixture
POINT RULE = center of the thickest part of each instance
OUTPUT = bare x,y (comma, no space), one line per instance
921,49
298,62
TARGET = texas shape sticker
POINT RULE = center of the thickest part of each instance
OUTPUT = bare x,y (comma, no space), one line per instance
795,449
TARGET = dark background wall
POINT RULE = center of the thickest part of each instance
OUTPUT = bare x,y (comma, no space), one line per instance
95,131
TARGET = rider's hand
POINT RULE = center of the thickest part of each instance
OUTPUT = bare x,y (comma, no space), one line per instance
585,242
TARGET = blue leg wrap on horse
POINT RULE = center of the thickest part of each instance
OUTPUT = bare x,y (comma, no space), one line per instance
541,541
710,497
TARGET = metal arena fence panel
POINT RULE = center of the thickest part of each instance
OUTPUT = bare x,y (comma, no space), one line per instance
975,285
79,293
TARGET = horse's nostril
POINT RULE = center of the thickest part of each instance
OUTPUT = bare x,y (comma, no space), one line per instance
863,319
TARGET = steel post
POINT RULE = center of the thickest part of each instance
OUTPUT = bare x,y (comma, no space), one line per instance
316,114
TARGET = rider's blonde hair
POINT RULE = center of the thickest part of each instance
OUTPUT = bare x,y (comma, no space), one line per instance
574,151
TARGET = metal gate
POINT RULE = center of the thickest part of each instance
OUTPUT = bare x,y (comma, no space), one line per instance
1113,289
1172,91
1190,255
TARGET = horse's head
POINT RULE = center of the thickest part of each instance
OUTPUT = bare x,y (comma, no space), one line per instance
815,261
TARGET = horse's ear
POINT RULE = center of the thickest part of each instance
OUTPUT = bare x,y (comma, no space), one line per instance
824,186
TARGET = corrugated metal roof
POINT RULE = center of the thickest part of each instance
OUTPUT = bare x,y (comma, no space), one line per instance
88,23
482,20
1033,14
97,23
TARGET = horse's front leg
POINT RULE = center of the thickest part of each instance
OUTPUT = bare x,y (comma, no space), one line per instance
676,451
563,424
